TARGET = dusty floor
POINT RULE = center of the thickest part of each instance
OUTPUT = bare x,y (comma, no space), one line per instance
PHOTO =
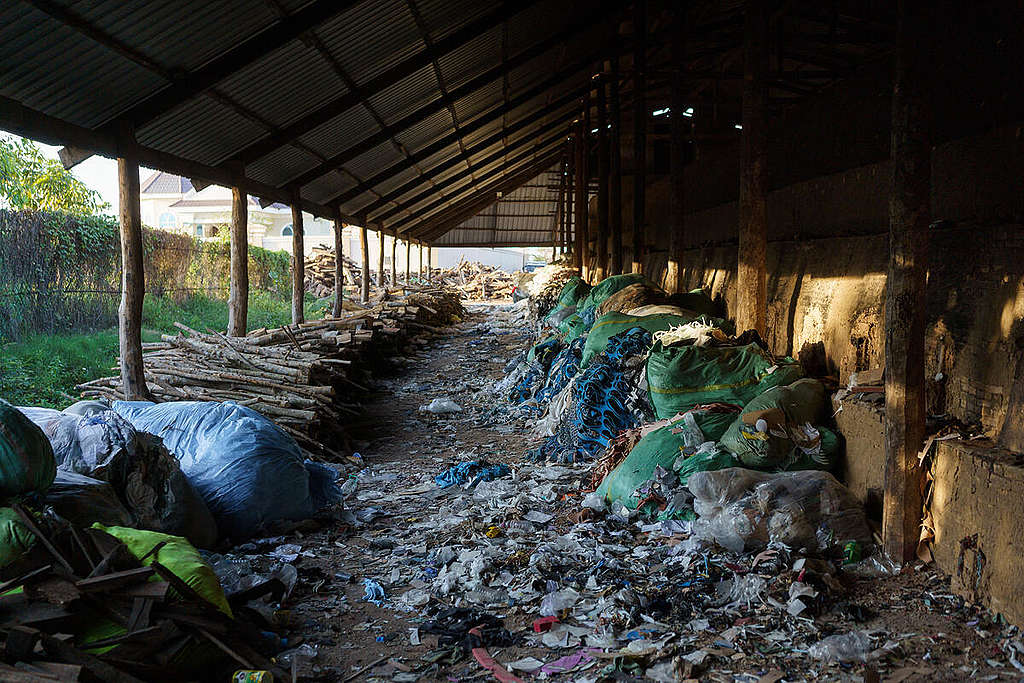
919,630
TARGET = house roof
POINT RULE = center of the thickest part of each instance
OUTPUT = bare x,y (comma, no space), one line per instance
161,182
400,113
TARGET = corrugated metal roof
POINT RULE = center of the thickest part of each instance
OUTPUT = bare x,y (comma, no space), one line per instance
197,85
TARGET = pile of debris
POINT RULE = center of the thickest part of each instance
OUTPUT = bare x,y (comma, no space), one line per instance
476,280
320,270
305,377
544,284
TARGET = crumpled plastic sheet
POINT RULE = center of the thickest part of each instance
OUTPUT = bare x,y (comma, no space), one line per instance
373,592
608,398
535,377
473,471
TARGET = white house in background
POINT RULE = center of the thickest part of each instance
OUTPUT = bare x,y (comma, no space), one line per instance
170,202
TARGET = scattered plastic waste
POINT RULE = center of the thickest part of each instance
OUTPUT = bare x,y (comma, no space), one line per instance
846,647
440,406
374,592
472,472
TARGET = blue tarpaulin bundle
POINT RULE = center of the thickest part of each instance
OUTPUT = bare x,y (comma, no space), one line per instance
247,470
470,471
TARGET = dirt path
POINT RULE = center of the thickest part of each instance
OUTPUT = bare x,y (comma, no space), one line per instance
404,523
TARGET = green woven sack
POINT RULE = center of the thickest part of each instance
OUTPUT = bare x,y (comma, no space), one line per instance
15,538
611,324
609,286
572,292
680,377
26,457
802,402
669,447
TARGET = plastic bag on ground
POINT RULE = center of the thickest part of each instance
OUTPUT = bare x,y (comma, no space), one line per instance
26,457
146,478
83,500
745,509
247,470
854,646
440,406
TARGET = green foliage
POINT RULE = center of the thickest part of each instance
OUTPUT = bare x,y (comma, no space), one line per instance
30,181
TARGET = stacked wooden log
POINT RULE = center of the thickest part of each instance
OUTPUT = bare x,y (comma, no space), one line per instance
142,621
476,280
320,268
306,377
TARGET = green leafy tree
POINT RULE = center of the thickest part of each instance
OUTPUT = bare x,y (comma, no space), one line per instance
30,181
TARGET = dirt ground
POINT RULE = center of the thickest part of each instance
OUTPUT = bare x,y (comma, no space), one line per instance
929,634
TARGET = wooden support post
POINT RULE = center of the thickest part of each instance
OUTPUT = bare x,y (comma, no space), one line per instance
421,260
298,263
677,154
394,259
751,278
238,295
339,267
430,260
580,200
588,254
639,133
558,228
905,310
570,193
381,280
615,168
364,243
133,278
601,261
408,259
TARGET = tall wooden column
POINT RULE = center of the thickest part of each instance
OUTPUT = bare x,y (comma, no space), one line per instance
677,154
639,133
905,319
364,243
588,254
601,260
298,263
408,259
580,201
339,268
394,259
381,280
751,278
133,278
430,260
570,193
558,228
238,295
615,168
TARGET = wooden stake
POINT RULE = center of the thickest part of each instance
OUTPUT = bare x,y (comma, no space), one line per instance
639,132
601,260
298,263
238,296
677,153
905,312
364,242
615,168
133,284
339,270
751,278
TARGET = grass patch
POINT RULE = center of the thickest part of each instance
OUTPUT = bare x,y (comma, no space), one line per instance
42,370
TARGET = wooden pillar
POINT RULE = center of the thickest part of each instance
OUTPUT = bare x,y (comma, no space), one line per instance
751,278
364,243
639,132
298,263
381,280
133,278
905,317
238,295
615,168
580,200
430,260
339,268
601,260
588,261
677,154
570,193
408,259
558,228
394,259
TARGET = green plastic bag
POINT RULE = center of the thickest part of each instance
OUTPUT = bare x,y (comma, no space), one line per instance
574,327
667,447
573,291
609,286
178,555
15,538
26,457
781,412
680,377
611,324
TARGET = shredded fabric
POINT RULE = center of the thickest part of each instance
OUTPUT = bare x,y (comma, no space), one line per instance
699,332
471,471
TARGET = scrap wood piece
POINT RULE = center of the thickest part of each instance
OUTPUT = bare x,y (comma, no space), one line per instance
484,658
27,520
115,580
57,648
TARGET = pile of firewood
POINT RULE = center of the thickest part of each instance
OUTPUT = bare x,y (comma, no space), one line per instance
306,377
476,280
77,582
320,268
